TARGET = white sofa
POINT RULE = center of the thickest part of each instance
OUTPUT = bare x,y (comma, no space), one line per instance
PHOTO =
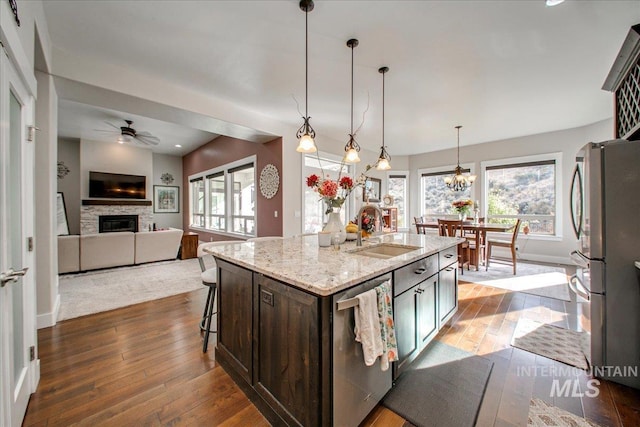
157,245
104,250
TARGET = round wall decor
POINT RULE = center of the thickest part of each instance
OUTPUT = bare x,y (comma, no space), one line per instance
269,181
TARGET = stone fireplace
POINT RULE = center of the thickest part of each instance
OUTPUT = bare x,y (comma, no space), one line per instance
92,209
112,223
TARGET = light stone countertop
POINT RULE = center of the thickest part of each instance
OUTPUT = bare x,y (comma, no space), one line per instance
300,262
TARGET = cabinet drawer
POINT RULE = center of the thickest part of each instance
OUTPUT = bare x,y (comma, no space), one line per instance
404,278
448,256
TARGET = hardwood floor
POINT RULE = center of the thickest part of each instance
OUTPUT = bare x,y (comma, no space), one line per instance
143,365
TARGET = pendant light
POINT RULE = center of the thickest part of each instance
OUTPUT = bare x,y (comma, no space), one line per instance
384,159
306,134
352,147
459,182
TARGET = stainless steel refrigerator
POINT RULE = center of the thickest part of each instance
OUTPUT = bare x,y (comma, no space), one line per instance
605,213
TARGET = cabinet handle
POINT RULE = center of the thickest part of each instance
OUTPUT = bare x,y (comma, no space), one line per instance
421,270
419,291
448,255
449,269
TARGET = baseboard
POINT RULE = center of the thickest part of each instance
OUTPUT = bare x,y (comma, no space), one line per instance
551,259
47,320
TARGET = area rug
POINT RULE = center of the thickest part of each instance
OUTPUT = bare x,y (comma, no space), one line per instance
548,281
444,387
541,414
103,290
550,341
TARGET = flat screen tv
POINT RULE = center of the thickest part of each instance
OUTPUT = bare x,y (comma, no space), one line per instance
117,186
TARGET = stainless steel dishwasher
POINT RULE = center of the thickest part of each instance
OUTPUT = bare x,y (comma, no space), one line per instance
357,388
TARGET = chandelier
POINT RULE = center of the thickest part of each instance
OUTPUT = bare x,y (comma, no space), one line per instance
459,182
352,147
384,159
306,134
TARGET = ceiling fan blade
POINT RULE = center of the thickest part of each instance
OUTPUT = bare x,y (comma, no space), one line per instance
147,139
113,126
107,131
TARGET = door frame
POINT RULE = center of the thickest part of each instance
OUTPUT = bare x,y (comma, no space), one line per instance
11,81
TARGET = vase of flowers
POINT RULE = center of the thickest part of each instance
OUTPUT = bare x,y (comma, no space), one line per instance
462,207
334,193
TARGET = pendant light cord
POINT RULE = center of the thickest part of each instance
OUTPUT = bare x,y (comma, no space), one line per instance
352,46
306,61
383,110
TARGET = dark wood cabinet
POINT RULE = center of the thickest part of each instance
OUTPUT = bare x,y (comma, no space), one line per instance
189,245
405,312
235,317
427,311
416,321
288,359
447,293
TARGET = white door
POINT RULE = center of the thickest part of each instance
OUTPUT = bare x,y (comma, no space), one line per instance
18,375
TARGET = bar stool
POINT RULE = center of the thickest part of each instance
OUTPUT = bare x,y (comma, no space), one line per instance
209,278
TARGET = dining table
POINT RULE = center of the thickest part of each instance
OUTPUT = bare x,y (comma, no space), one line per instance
478,230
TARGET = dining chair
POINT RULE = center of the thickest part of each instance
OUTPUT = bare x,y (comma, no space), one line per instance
470,235
419,220
209,277
511,244
453,228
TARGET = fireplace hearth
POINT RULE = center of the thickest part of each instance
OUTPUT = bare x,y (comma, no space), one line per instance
115,223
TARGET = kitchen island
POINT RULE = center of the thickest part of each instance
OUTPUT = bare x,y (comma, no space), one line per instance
284,340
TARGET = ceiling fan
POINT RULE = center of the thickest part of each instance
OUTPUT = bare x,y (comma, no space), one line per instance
129,134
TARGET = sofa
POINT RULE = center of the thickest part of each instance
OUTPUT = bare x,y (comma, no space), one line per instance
104,250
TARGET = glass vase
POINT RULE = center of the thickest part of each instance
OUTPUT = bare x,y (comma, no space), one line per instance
462,216
335,225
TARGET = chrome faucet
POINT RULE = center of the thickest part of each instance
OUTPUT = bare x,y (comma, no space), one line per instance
362,209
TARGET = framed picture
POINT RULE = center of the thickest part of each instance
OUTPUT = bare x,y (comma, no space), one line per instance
166,199
61,213
371,190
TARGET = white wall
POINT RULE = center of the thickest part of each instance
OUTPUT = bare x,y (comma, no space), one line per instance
69,186
163,163
566,141
114,158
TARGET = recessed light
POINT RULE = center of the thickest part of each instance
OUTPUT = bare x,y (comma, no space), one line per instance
554,2
178,146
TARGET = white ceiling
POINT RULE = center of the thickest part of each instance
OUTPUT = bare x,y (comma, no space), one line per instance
76,120
501,69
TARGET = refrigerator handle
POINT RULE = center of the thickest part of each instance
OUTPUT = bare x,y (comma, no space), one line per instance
576,202
579,259
574,283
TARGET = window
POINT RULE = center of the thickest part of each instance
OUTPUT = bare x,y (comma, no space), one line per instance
397,188
524,188
437,197
314,210
226,197
197,202
243,206
216,201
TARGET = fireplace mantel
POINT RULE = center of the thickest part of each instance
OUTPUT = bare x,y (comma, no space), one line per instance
118,202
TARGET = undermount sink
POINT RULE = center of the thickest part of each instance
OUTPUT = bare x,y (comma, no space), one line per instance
384,250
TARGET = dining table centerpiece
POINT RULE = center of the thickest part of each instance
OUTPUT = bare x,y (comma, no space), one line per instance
462,208
333,193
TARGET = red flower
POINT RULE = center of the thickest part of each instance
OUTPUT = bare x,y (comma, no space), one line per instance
328,189
312,180
346,183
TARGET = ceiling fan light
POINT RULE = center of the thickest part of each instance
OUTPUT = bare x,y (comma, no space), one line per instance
306,144
554,2
121,139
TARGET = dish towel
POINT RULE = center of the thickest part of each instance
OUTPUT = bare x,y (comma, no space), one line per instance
387,328
367,328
